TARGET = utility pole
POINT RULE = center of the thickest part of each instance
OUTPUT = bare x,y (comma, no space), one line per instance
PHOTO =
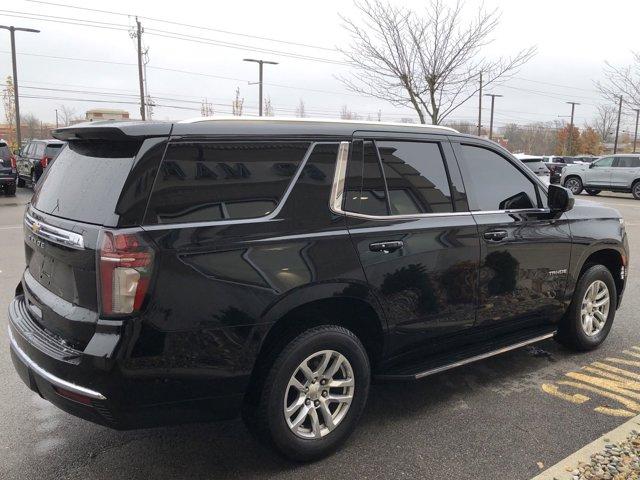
260,64
570,141
635,135
493,99
615,145
480,107
56,118
12,31
140,75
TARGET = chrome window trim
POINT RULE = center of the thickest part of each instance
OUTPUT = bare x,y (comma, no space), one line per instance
49,377
337,195
266,218
54,234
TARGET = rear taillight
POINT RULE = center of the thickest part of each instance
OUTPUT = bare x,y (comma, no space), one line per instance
45,161
125,263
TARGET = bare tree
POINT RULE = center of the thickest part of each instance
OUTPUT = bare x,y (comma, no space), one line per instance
604,121
268,107
238,104
300,110
32,126
430,62
346,114
623,81
206,108
66,115
8,101
463,127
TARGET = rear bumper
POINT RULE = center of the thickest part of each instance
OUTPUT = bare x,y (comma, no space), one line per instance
7,180
98,390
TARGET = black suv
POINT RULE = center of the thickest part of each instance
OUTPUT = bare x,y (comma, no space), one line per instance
8,173
272,268
34,159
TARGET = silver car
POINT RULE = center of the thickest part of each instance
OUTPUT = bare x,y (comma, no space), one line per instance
615,173
534,163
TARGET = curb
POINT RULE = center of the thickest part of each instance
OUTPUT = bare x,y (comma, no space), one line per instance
562,469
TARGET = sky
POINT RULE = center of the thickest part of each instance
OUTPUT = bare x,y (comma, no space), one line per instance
573,38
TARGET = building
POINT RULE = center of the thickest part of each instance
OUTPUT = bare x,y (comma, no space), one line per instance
106,114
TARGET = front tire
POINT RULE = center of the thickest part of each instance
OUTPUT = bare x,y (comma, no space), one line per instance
635,190
313,394
574,184
593,308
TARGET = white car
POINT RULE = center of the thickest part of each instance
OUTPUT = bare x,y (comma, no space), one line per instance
535,163
615,173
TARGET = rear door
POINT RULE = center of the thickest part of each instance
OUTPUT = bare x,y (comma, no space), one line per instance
408,217
525,249
599,173
624,171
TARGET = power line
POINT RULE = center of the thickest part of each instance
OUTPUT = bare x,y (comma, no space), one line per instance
200,27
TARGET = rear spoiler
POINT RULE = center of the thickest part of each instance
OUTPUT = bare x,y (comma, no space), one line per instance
109,130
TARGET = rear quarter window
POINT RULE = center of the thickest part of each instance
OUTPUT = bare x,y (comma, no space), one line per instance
212,181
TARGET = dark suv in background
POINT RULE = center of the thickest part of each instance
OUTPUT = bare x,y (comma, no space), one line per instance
272,268
8,175
34,158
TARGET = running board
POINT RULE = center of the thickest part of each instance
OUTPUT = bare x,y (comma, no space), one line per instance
464,361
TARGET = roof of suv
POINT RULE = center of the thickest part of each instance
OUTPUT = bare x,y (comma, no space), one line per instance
238,126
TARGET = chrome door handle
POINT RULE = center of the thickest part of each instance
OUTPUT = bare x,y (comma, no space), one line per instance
495,235
386,247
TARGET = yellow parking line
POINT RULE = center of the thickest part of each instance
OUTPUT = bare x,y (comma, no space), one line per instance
630,404
617,370
552,389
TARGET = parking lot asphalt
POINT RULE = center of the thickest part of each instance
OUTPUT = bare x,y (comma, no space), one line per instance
506,417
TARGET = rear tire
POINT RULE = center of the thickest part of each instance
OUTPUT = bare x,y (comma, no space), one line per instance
593,308
592,192
291,392
574,184
635,189
21,182
10,190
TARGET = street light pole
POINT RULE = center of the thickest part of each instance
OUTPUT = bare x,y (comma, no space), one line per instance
493,99
260,66
635,135
573,109
12,32
615,144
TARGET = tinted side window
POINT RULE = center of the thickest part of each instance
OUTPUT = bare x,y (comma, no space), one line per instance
208,181
603,162
38,151
416,177
494,183
628,162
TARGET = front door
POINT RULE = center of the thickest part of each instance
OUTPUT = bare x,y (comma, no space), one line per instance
599,173
525,249
408,217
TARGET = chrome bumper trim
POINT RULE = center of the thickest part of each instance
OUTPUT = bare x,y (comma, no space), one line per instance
59,382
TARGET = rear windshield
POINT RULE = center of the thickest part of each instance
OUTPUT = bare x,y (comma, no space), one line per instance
5,153
53,149
85,181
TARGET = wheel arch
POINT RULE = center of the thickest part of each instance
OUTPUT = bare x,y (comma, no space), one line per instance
612,257
351,306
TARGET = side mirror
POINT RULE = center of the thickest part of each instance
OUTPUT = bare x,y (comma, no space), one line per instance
591,165
559,199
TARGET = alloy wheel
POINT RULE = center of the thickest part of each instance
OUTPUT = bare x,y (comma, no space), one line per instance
595,308
573,185
319,394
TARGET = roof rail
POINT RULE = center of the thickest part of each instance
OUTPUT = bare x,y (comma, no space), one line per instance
313,120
